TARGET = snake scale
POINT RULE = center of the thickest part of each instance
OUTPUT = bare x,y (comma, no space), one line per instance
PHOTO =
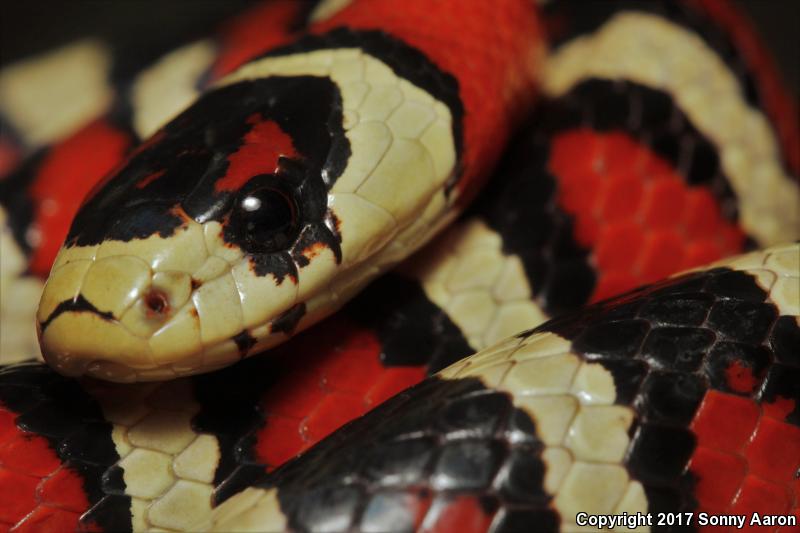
370,192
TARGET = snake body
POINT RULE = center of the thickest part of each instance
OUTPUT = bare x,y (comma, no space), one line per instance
680,396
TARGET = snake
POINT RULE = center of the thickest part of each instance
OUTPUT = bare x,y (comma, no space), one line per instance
319,147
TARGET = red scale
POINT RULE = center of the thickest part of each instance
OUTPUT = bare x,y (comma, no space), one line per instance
634,211
339,377
461,513
746,460
38,493
260,152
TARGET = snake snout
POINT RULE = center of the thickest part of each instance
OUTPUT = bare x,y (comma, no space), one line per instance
107,312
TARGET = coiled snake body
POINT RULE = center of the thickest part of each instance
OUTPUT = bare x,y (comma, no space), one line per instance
318,158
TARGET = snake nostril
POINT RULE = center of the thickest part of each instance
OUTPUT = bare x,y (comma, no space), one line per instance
156,302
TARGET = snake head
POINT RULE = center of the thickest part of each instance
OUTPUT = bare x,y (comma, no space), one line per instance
254,213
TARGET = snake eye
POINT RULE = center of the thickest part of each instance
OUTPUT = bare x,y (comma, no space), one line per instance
268,219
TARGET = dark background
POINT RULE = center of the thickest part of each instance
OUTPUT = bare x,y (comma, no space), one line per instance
778,22
152,26
141,30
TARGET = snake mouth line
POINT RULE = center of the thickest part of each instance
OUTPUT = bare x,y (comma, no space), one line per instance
78,304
